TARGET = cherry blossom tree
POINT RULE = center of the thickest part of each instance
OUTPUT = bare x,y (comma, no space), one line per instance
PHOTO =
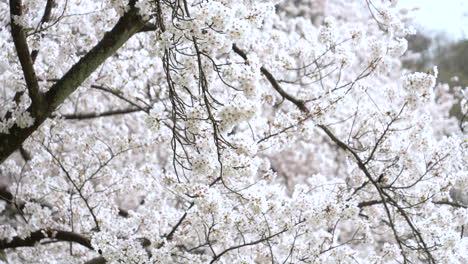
191,131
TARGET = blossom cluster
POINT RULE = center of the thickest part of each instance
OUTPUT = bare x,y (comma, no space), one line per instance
230,132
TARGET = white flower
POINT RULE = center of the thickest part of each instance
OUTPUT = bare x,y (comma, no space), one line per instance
398,47
24,120
418,82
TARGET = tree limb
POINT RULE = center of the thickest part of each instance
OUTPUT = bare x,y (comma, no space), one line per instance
361,165
45,18
299,103
36,236
98,260
453,204
83,116
126,27
22,50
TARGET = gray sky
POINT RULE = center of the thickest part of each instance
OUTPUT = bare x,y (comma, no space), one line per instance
441,15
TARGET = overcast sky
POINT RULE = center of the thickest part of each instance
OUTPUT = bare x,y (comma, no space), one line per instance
441,15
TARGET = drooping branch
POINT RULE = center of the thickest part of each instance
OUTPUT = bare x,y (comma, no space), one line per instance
36,237
129,24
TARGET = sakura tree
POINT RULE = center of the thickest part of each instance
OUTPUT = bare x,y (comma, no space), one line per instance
218,131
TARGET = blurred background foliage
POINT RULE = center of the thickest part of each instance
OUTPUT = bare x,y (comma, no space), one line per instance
426,50
451,57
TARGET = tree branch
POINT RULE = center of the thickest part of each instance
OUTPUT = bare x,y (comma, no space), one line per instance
126,27
453,204
299,103
98,260
36,236
369,203
45,18
83,116
22,50
362,166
